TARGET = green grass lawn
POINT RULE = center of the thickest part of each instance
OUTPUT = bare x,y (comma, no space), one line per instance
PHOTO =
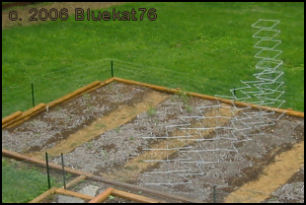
208,48
21,184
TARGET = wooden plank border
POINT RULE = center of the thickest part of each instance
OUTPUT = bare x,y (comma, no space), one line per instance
43,195
75,181
54,190
26,115
72,193
20,157
11,117
102,196
208,97
18,117
133,197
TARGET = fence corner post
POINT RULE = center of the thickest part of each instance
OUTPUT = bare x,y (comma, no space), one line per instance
112,68
33,94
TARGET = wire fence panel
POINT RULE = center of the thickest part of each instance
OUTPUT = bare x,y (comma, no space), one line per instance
52,85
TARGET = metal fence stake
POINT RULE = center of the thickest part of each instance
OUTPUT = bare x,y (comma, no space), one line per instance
64,174
112,68
48,171
214,194
33,95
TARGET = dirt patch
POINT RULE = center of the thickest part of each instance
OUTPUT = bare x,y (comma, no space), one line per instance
274,175
297,177
23,12
291,192
128,139
109,148
116,118
231,170
163,149
253,173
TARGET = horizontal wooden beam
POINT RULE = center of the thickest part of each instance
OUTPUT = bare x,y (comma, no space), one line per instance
17,156
72,193
11,117
75,181
53,189
19,117
208,97
102,196
43,195
133,197
73,94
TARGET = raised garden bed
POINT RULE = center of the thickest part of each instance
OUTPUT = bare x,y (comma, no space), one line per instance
169,142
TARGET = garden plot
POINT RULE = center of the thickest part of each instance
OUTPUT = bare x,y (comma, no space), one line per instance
117,147
174,143
56,130
207,163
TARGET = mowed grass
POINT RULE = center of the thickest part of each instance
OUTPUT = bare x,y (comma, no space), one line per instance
211,43
21,184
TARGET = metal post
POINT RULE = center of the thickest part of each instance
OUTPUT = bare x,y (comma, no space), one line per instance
214,194
64,174
33,96
112,68
48,171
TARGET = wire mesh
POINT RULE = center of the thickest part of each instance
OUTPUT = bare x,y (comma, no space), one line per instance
51,85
